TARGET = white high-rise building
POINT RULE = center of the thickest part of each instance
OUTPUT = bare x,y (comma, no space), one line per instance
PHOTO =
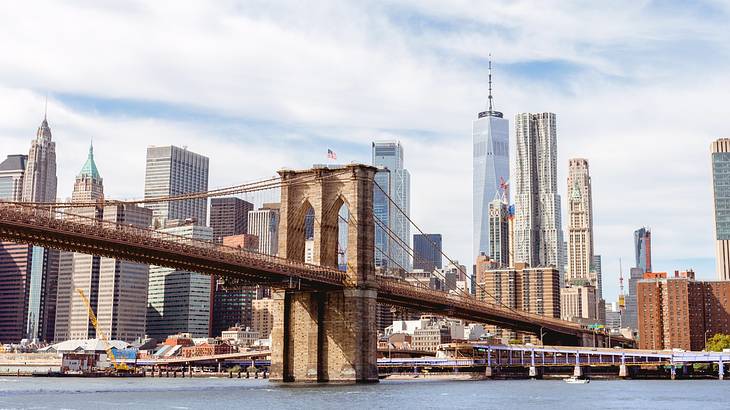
538,233
174,171
580,221
490,133
395,180
264,223
179,301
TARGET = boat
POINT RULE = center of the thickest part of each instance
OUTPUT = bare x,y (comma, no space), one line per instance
576,380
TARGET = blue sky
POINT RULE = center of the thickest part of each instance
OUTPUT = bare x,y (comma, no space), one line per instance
639,88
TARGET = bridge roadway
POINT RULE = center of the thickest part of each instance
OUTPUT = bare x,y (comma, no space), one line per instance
46,228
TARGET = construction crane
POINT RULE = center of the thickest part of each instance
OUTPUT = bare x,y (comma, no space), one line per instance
120,367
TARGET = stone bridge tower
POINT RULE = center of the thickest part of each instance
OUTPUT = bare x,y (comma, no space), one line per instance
327,335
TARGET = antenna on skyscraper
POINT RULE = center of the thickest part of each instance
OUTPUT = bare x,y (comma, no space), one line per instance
45,110
620,276
490,82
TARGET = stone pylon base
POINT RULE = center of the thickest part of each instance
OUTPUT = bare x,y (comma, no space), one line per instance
324,336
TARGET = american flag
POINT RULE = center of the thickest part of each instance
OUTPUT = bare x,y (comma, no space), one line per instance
331,154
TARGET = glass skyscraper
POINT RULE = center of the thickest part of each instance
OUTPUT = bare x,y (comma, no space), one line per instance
394,179
427,251
174,171
642,248
490,134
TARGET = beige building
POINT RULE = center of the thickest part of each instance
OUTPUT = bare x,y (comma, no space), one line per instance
263,317
580,221
429,338
240,336
533,290
578,304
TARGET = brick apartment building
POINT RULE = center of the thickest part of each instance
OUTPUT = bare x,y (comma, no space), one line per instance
679,312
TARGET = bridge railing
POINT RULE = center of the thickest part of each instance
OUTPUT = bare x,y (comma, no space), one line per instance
62,221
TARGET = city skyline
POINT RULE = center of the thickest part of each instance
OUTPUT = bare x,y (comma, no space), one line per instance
438,140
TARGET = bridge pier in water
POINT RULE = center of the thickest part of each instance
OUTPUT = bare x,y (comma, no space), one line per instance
327,335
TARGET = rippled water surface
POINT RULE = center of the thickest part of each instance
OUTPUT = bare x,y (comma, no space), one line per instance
143,393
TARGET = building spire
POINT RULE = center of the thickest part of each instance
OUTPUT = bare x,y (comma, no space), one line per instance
490,83
45,110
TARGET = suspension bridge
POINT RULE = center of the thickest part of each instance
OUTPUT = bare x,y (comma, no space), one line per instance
324,318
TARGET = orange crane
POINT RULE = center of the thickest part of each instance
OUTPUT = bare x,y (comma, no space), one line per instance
120,367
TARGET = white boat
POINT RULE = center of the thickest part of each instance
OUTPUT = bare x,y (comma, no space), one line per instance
575,380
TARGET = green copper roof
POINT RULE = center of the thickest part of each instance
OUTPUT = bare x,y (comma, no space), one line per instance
89,168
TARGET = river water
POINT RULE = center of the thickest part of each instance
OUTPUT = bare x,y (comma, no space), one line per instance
149,393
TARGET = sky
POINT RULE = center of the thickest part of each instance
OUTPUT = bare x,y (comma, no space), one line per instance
640,89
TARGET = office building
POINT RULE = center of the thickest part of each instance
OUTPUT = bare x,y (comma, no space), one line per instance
395,181
642,248
179,301
264,223
490,134
12,171
229,217
230,299
680,312
116,289
721,203
578,303
176,171
538,232
427,252
14,259
499,219
613,317
28,274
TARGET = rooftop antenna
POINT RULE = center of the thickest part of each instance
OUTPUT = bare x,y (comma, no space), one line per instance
490,82
45,110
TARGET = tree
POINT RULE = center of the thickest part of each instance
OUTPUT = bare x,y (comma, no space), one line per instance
718,342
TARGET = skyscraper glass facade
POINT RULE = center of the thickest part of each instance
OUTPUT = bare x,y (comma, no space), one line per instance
427,252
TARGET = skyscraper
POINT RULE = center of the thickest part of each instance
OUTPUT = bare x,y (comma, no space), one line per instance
179,301
229,216
427,252
175,171
14,259
499,217
117,289
538,232
490,134
580,221
264,223
29,273
721,200
642,248
395,180
12,171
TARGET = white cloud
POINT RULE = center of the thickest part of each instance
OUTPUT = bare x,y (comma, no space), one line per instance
642,96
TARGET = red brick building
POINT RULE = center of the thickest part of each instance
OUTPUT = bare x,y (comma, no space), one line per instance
679,312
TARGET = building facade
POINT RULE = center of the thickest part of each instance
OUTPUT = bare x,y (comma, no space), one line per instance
175,171
117,289
264,223
680,312
263,317
427,252
179,301
395,181
229,217
642,248
538,232
533,290
29,274
580,221
490,137
579,303
499,218
720,155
